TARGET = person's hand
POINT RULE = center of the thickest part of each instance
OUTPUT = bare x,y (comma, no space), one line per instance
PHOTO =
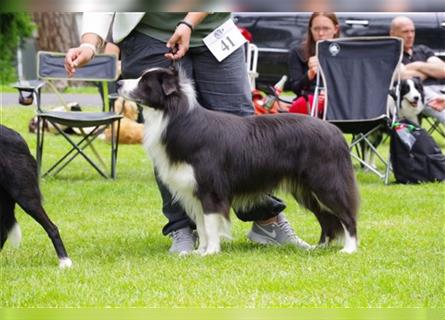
77,57
437,103
179,43
313,66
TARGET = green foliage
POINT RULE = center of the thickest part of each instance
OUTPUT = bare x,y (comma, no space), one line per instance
13,27
112,231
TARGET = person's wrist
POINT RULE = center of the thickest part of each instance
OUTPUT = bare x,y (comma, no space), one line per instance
186,23
90,46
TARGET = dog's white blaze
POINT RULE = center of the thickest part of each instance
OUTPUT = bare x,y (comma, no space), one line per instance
127,86
15,235
350,242
407,110
65,263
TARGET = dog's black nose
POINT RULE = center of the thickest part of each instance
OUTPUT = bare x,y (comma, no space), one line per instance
416,98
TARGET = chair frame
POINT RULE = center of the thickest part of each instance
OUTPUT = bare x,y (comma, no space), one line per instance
97,120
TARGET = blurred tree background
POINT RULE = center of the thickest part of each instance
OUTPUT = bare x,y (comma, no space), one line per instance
53,31
13,27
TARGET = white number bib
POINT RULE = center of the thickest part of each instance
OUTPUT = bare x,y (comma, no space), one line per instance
224,40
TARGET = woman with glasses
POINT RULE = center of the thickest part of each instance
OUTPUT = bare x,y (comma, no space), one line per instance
303,63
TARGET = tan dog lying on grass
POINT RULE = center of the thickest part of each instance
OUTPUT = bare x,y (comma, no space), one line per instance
130,131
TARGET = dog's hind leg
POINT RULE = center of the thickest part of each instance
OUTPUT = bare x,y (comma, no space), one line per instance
36,211
338,209
27,195
331,227
9,228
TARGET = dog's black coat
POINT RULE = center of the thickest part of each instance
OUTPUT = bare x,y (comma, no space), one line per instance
19,184
242,156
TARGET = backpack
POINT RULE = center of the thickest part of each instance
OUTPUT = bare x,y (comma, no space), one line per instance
415,156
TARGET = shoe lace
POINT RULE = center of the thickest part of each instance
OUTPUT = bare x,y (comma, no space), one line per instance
286,228
180,236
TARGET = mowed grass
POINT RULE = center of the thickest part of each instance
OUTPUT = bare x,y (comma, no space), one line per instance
112,232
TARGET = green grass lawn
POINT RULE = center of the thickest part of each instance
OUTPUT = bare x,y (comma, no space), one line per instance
112,232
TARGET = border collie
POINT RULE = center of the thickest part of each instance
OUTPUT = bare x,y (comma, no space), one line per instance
19,184
412,100
411,104
211,160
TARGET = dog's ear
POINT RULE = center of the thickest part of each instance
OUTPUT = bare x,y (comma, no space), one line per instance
169,83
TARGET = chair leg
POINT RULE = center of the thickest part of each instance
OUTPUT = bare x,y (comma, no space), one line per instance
114,147
39,146
76,147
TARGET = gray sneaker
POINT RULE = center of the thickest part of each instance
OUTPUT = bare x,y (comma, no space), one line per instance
183,241
277,233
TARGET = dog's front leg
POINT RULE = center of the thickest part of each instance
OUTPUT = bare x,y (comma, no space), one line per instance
202,236
212,227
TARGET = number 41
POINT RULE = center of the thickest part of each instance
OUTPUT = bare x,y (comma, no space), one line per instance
225,46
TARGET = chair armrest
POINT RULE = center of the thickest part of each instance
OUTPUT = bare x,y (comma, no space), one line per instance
28,85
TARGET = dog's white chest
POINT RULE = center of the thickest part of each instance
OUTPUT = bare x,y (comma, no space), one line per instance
179,177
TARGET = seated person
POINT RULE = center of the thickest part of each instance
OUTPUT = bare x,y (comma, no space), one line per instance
420,61
303,63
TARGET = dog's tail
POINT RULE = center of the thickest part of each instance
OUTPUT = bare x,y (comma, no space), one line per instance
226,228
15,235
10,230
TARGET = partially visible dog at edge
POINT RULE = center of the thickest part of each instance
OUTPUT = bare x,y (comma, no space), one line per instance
211,161
19,185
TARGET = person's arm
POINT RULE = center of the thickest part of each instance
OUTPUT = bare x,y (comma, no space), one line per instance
432,68
94,29
298,73
438,103
179,42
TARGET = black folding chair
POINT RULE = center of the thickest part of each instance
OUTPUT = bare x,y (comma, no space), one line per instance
357,75
50,66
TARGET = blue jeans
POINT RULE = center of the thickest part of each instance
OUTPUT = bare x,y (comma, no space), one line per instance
220,86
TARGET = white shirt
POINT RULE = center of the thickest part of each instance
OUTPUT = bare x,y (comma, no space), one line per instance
100,23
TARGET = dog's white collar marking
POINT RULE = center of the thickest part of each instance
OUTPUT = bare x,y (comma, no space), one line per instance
180,176
187,87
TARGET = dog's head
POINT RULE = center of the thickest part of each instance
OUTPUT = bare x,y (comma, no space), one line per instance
411,98
156,88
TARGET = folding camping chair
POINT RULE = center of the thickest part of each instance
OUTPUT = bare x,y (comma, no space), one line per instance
50,66
357,75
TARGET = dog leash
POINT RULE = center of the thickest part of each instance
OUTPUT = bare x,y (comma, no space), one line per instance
173,64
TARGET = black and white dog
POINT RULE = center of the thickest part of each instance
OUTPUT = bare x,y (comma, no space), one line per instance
408,106
411,101
19,184
211,160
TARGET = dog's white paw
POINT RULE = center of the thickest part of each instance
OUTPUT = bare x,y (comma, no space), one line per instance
65,263
348,250
184,253
211,250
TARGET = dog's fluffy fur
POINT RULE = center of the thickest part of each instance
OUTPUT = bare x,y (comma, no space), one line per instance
130,131
19,184
212,160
